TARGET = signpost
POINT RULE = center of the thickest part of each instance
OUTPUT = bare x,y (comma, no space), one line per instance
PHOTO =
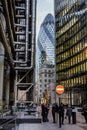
59,89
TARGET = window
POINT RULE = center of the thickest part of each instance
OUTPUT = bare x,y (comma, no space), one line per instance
45,80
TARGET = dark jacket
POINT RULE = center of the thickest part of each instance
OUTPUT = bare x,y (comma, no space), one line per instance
61,110
54,108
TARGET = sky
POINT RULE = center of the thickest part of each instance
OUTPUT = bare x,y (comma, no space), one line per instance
43,8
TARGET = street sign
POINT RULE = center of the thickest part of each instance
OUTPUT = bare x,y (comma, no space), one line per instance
59,89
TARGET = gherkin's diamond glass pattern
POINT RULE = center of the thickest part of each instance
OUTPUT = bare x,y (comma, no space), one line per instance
45,41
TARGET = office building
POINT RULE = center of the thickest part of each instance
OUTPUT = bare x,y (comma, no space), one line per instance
46,84
71,49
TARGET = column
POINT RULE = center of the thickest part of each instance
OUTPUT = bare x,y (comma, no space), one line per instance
1,74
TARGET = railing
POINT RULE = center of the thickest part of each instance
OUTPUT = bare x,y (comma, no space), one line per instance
6,123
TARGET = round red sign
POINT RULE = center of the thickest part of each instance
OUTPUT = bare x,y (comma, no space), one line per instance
60,89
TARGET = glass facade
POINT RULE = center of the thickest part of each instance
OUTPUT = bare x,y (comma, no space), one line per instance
71,50
46,40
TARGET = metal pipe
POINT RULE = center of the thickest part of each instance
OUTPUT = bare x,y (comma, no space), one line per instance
23,68
24,84
32,41
33,35
20,16
23,62
20,25
11,14
27,29
6,13
19,43
5,44
20,33
21,50
20,8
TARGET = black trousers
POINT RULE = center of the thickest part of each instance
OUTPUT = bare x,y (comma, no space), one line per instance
61,120
53,114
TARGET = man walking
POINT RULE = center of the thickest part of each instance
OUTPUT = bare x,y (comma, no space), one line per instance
54,111
61,114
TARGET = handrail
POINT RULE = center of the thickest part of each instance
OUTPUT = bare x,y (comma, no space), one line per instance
7,121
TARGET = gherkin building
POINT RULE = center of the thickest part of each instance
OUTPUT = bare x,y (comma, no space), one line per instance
45,42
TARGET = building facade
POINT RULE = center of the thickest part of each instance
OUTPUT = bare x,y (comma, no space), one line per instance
46,60
71,50
17,50
45,42
46,84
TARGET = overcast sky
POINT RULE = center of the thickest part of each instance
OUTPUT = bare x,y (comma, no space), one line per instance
43,8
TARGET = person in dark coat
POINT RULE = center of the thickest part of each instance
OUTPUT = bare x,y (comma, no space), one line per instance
54,111
61,114
69,113
85,112
46,112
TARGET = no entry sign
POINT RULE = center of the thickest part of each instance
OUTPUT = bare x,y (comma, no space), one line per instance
59,89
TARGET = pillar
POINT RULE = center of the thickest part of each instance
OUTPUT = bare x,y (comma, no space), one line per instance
1,74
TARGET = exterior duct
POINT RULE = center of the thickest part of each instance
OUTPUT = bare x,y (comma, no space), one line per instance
6,13
27,28
5,44
11,14
26,33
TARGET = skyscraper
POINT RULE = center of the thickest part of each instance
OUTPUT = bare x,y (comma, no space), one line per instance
71,49
45,43
46,55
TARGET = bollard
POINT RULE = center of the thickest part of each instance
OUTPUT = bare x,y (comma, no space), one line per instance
73,117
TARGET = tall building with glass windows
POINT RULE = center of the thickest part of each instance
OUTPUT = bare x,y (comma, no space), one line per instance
71,49
45,40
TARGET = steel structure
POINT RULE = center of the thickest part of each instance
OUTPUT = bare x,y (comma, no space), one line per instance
17,38
25,15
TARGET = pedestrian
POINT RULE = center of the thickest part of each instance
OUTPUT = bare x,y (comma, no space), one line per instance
69,113
46,112
61,114
54,112
84,111
43,112
38,110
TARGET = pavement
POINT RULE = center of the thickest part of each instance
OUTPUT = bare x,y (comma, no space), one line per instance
80,124
51,126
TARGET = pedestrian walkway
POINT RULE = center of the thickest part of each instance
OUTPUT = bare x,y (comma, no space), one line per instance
80,124
51,126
